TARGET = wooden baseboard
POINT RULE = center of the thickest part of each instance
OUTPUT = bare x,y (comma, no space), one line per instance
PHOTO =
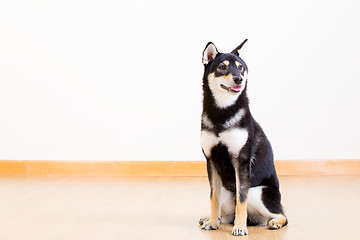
166,168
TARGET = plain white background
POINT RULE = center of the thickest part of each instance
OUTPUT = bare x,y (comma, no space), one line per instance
121,80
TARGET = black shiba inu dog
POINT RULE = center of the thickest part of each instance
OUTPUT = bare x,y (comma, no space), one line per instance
243,181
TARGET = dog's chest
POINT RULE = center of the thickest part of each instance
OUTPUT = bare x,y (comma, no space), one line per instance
233,138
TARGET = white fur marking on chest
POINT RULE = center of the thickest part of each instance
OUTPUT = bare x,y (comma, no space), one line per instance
207,122
234,139
234,119
208,140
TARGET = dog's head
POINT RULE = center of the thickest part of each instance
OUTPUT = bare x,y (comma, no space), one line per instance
225,74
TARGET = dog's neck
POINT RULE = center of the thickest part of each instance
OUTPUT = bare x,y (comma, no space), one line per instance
218,115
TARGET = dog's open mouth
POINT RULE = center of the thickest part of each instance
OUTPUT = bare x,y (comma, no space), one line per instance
233,89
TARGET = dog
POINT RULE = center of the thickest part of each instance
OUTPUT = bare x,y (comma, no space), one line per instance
244,187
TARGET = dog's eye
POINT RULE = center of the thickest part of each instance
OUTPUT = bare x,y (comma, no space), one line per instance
222,67
240,67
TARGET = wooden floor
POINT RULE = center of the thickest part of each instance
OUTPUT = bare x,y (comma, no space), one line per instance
164,208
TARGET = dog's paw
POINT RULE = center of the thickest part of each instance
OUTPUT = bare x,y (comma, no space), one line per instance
239,231
275,224
203,219
210,224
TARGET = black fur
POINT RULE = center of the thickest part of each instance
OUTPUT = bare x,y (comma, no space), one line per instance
255,160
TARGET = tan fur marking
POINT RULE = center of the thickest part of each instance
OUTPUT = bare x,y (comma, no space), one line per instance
215,195
240,213
226,62
228,77
240,218
237,64
278,222
215,208
213,222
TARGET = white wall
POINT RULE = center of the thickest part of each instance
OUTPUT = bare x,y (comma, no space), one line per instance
121,80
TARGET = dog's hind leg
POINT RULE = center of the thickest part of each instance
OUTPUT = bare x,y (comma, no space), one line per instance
265,208
271,198
227,206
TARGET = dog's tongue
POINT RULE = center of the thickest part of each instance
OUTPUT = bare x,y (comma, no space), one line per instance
236,88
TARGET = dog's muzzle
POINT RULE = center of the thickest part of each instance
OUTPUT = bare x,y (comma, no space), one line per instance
237,79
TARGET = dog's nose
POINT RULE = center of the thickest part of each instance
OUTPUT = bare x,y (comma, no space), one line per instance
237,79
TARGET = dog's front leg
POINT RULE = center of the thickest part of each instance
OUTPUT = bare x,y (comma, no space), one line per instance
215,189
242,188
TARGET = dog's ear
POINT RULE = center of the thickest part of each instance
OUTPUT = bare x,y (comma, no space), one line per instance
236,51
209,53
